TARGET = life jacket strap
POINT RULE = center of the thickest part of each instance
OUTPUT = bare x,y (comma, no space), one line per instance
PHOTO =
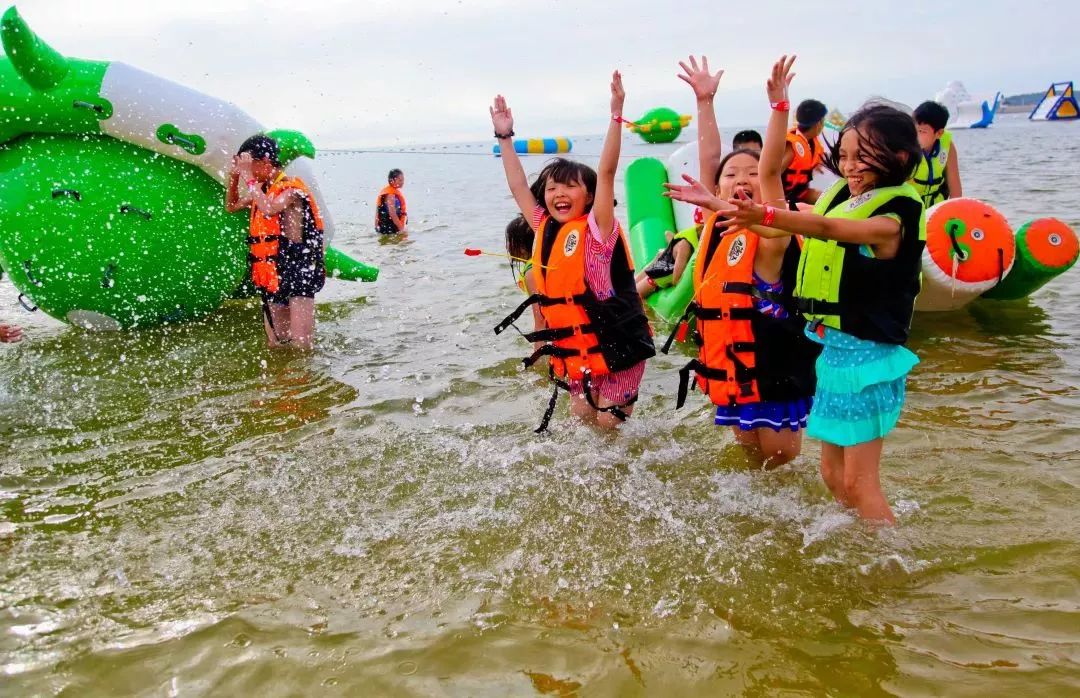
272,258
707,372
552,335
556,352
615,410
513,316
258,239
811,306
690,311
750,289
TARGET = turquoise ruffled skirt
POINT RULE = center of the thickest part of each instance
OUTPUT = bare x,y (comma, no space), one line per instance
860,388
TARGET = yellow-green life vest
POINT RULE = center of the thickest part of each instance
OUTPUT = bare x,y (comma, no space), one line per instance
929,177
839,287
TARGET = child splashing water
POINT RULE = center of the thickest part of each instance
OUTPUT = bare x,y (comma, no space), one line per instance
754,362
857,281
595,330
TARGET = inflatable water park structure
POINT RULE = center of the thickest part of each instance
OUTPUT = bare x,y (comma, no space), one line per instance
112,190
1058,104
966,111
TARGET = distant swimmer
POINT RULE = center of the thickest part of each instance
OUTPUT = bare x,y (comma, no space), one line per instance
938,175
391,214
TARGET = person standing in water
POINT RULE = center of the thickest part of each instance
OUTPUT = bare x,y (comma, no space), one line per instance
391,214
285,241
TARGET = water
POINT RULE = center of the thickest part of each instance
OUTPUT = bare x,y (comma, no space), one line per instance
183,512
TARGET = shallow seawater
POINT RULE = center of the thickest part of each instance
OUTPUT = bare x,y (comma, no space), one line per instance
183,512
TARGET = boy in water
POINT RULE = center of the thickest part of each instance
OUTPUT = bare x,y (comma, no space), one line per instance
391,214
747,140
286,241
938,175
803,152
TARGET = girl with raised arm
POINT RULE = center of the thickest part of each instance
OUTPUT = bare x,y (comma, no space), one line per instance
857,281
595,330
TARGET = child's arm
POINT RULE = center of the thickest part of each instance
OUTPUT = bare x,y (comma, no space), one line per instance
771,222
503,121
952,173
683,251
773,153
704,84
233,200
392,209
604,202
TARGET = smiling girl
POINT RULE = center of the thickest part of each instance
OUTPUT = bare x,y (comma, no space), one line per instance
595,330
856,284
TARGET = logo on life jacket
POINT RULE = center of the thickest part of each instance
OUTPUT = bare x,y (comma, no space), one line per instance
943,156
738,248
800,149
859,200
570,246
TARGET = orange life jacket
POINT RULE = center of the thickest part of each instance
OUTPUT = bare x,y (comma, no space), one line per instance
801,170
383,222
585,337
732,366
264,239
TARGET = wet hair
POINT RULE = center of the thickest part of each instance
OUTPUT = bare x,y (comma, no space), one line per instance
519,238
262,147
738,151
933,114
748,136
809,113
563,171
394,174
888,143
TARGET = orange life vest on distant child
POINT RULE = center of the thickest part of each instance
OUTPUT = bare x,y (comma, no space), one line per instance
264,239
383,222
801,170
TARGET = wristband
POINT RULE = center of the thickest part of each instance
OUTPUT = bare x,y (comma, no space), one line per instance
650,281
780,106
769,217
504,136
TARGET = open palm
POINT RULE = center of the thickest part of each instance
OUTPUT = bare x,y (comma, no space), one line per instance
501,116
699,78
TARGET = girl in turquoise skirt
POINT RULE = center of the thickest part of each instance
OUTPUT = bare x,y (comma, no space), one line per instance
857,281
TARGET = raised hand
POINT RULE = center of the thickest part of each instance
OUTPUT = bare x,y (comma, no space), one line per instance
700,79
780,79
618,94
744,213
501,116
696,193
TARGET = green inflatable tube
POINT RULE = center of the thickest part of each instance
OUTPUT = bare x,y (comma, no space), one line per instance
670,303
341,266
651,216
1045,248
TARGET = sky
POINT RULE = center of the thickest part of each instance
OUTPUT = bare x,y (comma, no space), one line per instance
366,73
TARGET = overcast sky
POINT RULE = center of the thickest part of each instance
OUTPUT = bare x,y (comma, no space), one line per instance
386,72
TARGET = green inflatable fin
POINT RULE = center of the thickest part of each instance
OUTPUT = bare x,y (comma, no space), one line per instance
341,266
292,144
39,64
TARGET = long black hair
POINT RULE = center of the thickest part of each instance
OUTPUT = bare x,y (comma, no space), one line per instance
888,144
563,171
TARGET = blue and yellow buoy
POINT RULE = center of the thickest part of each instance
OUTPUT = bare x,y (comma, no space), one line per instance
539,146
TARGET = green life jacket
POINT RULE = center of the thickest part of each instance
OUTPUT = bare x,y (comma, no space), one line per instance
929,177
839,287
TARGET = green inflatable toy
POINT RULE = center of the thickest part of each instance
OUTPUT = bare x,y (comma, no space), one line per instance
1045,248
651,220
660,125
112,189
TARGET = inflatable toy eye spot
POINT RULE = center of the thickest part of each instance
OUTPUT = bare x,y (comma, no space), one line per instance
1054,239
977,234
955,227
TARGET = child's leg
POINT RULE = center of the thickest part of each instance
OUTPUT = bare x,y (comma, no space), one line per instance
862,482
778,447
748,439
277,334
608,420
302,322
580,407
644,287
832,471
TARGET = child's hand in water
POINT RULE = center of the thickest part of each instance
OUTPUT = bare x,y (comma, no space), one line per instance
10,333
777,85
618,94
699,78
696,193
501,116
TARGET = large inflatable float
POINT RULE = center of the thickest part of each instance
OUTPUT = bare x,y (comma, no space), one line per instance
966,111
660,125
538,146
111,189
